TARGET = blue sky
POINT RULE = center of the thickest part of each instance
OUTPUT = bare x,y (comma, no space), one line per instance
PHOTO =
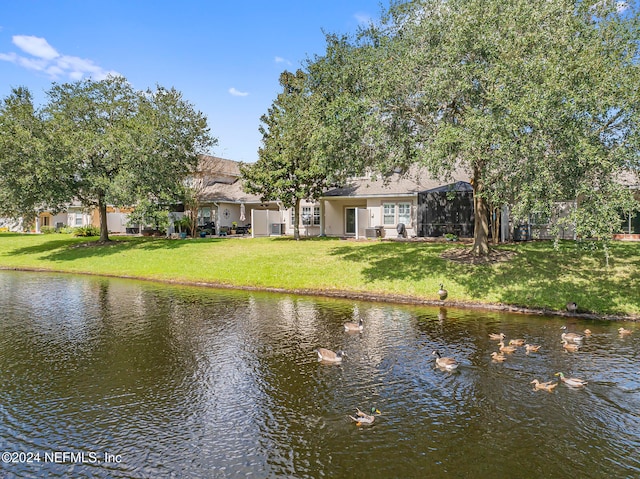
225,57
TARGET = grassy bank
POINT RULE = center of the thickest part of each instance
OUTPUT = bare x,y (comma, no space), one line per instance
537,276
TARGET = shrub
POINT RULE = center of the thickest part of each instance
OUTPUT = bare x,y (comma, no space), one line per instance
86,231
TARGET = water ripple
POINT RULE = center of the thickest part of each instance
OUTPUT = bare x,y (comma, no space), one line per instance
189,382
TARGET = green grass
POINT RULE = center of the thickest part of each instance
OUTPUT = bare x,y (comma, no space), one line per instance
538,276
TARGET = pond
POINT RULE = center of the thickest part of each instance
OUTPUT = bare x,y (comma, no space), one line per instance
115,378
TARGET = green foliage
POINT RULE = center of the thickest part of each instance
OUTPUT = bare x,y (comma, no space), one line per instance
148,213
26,178
101,142
183,224
287,169
85,231
533,100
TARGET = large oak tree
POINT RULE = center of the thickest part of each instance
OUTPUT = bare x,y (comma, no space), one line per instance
103,142
537,101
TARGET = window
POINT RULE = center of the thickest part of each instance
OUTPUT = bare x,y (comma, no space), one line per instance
306,215
389,213
404,213
394,213
78,219
204,216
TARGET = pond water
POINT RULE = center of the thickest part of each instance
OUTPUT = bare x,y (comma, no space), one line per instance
113,378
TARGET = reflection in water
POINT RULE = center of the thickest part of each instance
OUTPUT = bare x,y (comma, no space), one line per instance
187,382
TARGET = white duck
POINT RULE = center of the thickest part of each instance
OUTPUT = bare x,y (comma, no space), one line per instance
572,382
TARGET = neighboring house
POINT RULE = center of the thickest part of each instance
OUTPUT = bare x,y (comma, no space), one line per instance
539,226
77,215
224,202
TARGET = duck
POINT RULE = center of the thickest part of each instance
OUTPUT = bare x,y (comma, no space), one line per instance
507,349
531,348
547,386
587,332
572,382
624,332
572,347
572,307
498,357
448,364
571,337
363,418
354,327
496,336
330,356
443,293
516,342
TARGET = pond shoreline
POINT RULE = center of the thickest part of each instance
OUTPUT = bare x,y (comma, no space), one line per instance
354,295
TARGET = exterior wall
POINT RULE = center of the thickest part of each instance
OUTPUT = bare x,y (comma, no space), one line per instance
335,214
228,213
543,230
262,221
305,230
334,218
376,211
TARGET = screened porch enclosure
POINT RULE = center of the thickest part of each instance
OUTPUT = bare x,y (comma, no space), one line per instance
447,209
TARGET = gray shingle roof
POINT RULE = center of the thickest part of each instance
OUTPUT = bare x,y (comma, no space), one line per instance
396,184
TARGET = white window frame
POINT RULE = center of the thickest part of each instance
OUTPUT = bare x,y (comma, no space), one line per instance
388,214
402,217
305,216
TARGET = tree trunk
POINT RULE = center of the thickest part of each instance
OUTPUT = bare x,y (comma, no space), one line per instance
296,220
481,217
102,209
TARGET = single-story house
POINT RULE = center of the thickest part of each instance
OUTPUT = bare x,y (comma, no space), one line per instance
370,206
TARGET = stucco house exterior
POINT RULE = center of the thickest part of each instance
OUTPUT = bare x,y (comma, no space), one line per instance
223,201
369,206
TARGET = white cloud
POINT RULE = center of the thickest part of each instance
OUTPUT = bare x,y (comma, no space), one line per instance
36,46
235,92
44,58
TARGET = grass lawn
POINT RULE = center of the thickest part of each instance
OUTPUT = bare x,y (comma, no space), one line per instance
537,276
